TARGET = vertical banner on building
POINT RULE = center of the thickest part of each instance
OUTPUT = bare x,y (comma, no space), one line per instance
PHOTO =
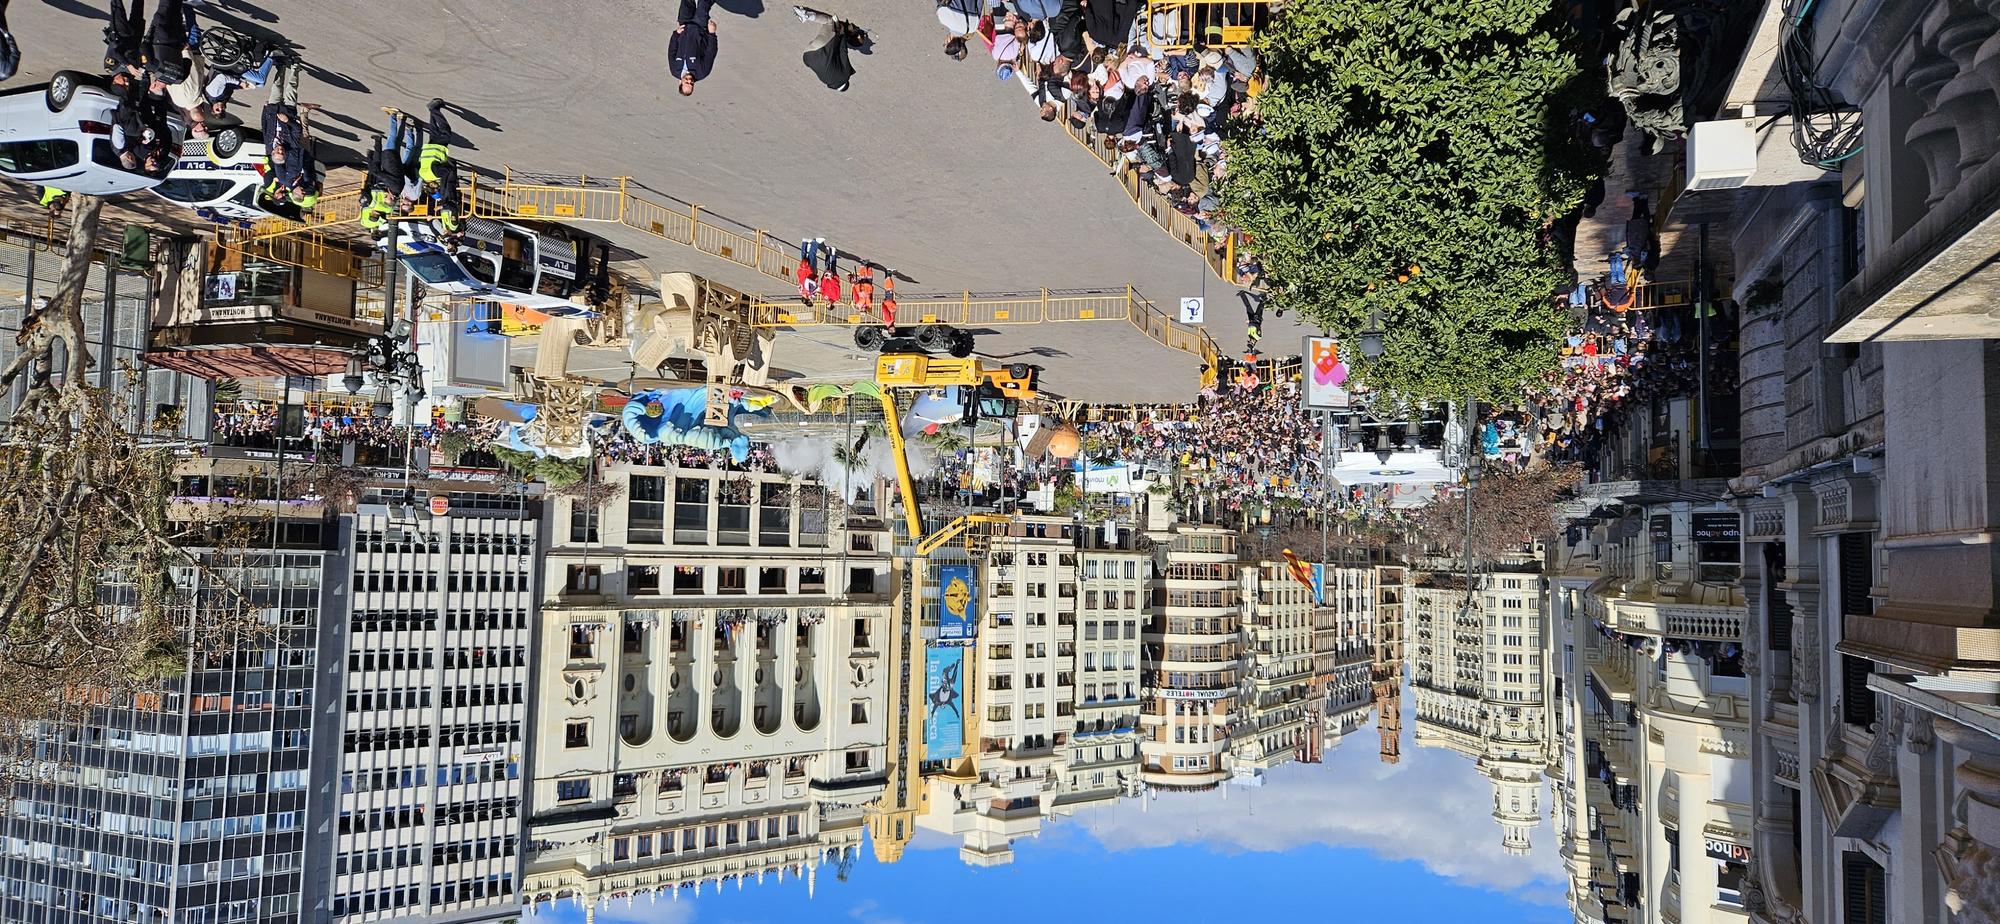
958,610
1325,385
944,702
1319,584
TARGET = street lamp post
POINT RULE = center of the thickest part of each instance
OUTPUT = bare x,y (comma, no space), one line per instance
389,356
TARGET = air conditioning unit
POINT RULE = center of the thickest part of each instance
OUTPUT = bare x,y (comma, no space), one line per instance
1721,155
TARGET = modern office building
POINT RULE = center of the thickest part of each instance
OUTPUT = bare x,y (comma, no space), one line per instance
191,801
433,734
711,694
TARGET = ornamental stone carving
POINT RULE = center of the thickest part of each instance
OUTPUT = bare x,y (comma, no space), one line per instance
1880,760
1972,879
1805,660
1922,733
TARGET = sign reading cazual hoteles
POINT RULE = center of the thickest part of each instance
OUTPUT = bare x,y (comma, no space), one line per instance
1325,376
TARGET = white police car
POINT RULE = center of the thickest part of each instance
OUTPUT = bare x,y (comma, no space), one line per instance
58,135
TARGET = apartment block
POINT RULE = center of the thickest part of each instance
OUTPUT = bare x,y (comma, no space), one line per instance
434,738
192,801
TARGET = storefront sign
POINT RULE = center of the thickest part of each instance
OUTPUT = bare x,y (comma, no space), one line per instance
1718,527
1725,851
1661,527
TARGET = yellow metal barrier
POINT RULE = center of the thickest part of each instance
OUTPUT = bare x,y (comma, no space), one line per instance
335,207
313,252
1177,25
1217,254
614,201
966,309
617,201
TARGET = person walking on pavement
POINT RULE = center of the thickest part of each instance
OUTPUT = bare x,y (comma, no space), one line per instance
437,171
293,174
391,187
691,50
827,54
1253,316
10,53
808,275
125,39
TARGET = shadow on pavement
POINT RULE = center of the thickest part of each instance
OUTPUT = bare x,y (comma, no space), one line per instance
749,9
252,10
75,8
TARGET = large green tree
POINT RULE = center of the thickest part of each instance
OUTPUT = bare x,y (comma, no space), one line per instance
1418,133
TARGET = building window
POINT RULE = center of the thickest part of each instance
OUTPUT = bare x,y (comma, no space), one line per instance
576,735
572,790
584,579
646,511
770,580
1857,702
1857,575
642,580
582,522
1778,634
1864,890
857,712
730,580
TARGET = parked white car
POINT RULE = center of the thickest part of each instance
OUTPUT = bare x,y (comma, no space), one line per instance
59,135
221,174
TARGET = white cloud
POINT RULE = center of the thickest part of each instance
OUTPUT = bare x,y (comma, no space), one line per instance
1433,808
645,911
865,913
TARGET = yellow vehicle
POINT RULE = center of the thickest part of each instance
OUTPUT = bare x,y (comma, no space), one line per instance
915,370
1014,381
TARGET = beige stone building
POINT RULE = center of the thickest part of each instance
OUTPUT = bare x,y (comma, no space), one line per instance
711,697
1654,725
1476,672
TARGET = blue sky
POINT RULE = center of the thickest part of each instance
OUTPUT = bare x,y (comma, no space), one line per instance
1412,842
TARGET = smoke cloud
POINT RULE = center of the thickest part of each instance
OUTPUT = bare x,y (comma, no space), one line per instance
814,457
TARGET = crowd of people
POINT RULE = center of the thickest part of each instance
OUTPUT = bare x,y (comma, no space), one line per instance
252,422
1247,444
1162,90
621,447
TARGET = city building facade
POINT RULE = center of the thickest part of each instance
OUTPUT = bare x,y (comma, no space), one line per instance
710,690
433,735
1477,676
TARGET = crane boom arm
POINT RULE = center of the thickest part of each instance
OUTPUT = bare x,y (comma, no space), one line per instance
904,482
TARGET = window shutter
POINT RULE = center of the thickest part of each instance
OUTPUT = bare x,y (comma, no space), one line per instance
1865,898
1857,702
1857,575
1778,625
